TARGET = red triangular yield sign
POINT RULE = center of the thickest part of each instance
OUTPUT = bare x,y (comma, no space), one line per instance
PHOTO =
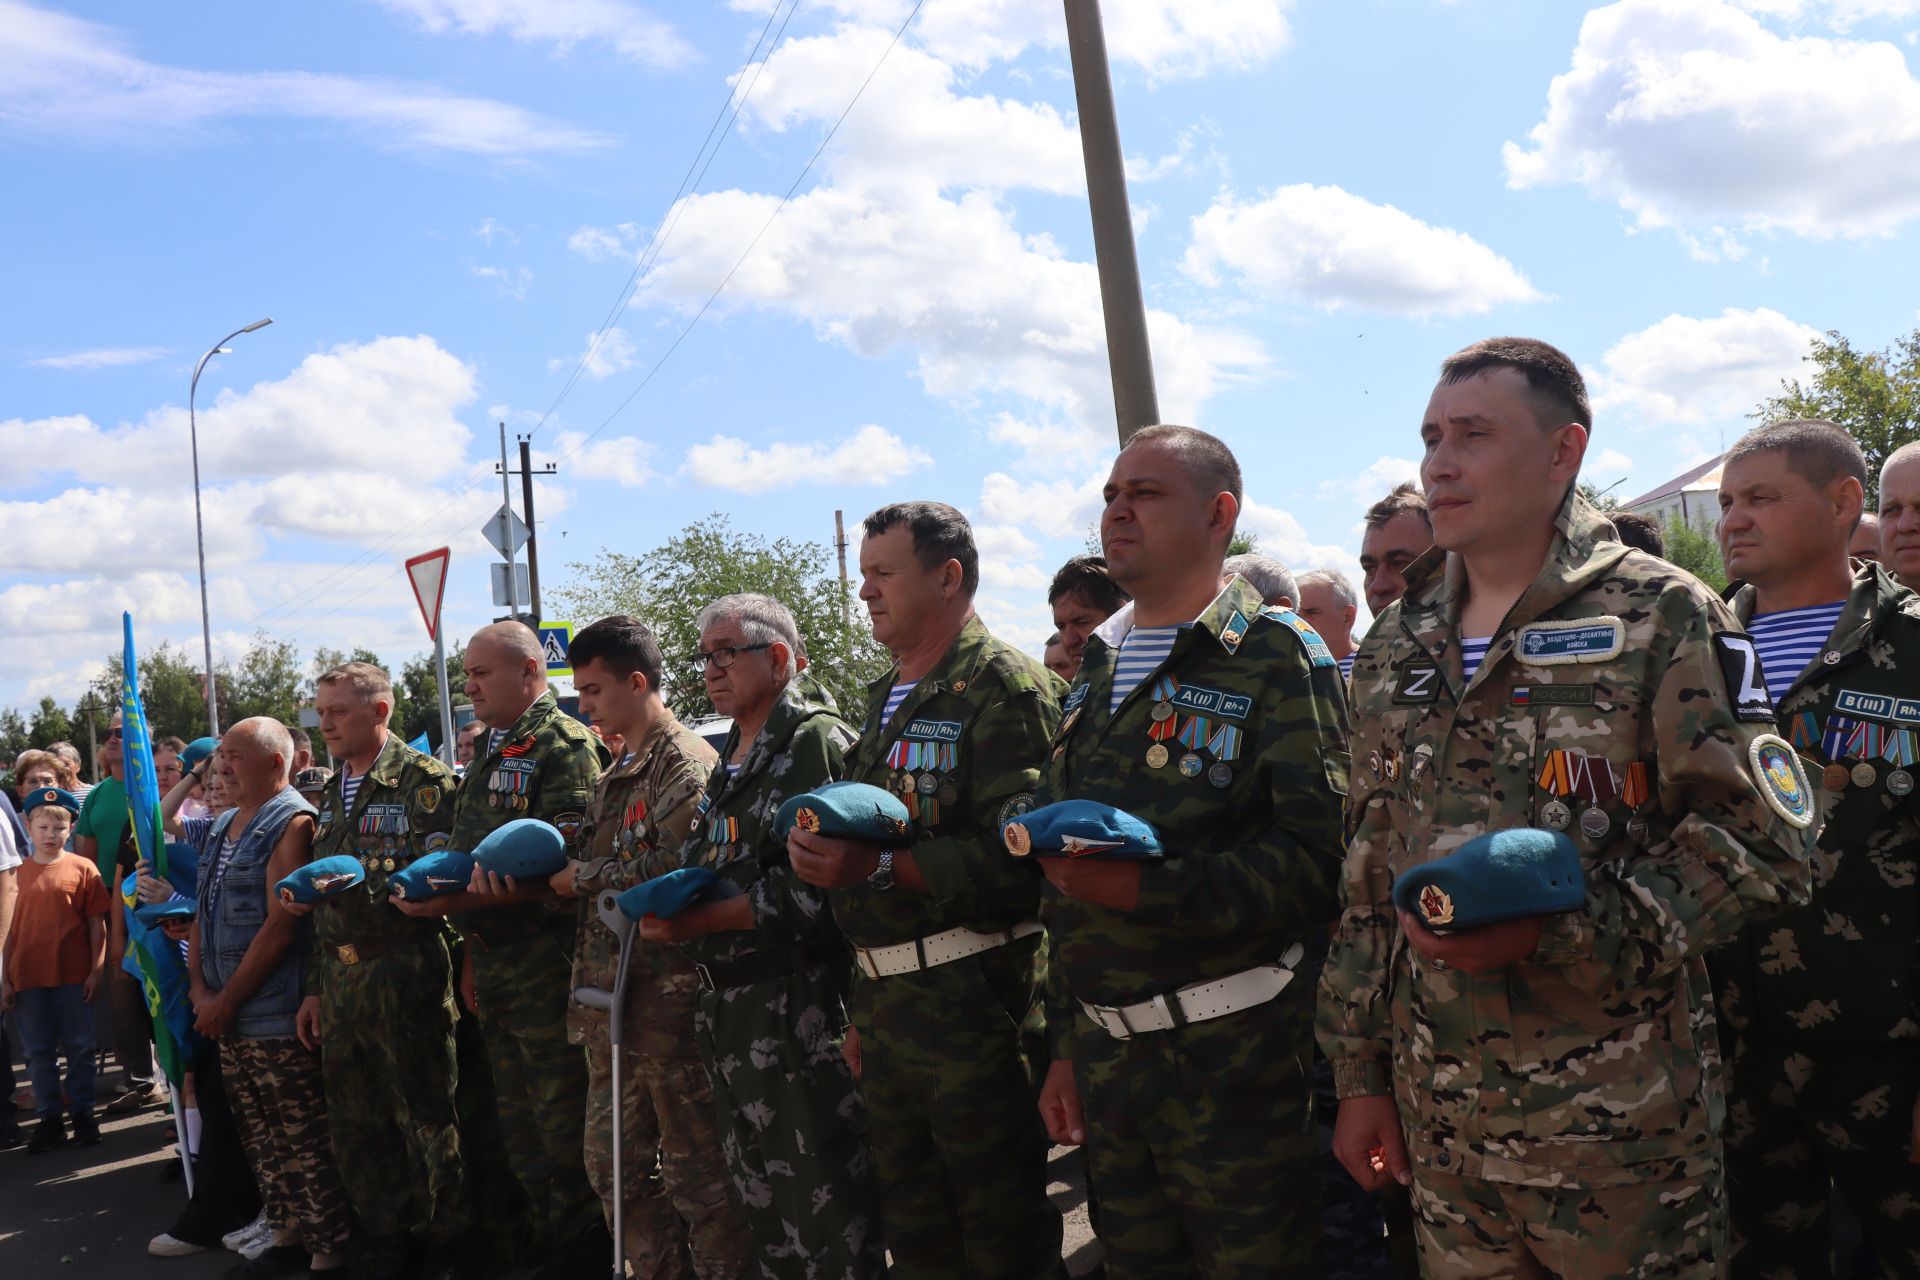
428,574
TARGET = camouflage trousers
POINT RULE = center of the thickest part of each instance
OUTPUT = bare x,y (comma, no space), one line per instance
1200,1140
1672,1228
275,1087
539,1079
679,1215
795,1132
388,1060
1803,1121
957,1140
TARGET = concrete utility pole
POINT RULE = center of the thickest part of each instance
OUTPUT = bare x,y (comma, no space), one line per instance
526,474
506,501
840,545
1129,358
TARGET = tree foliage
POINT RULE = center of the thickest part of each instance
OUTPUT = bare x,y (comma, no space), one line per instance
1875,395
416,707
667,587
1696,551
50,724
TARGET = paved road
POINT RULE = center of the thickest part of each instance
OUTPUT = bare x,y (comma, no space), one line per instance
85,1214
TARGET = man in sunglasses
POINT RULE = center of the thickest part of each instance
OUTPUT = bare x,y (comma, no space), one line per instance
96,837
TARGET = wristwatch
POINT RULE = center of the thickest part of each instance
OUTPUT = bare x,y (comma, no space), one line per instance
882,877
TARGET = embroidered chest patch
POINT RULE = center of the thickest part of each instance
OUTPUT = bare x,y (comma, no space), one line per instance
1547,644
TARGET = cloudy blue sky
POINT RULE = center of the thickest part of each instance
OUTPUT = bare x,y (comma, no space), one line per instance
440,203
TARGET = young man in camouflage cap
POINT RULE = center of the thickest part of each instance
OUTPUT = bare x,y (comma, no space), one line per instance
680,1216
380,985
772,965
1556,1078
1825,1061
1180,1026
946,942
541,763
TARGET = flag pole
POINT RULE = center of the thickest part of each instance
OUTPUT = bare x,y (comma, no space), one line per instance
180,1131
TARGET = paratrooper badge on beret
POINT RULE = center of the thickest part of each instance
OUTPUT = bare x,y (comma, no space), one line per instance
1502,875
322,878
845,811
1081,829
50,795
432,875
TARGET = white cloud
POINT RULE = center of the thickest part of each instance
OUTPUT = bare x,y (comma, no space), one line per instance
1609,462
104,358
1685,369
488,229
629,30
1841,15
1374,480
509,282
871,455
625,460
603,244
614,352
63,76
1283,537
1330,248
1061,508
1691,112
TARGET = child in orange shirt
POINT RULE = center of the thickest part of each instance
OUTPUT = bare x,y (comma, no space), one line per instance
55,960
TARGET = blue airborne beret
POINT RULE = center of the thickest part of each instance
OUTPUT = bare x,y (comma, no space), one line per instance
50,795
432,876
197,750
668,895
321,878
1502,875
845,811
526,849
153,914
1081,829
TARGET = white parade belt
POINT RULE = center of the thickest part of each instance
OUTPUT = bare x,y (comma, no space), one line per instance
1199,1002
936,949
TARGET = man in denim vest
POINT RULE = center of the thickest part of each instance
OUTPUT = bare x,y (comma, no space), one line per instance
246,963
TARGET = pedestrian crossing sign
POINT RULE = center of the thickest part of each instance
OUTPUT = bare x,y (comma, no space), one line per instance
555,639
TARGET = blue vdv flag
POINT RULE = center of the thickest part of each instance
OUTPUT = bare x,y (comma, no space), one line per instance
421,744
151,957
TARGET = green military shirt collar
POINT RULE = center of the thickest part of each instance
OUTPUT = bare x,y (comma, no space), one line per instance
636,759
544,707
791,711
1582,551
1226,619
1872,601
387,766
957,671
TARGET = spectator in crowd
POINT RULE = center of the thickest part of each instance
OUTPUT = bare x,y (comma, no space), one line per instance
1272,579
1639,532
13,849
247,966
466,744
71,754
52,966
1398,533
1082,596
1865,544
35,770
1900,514
166,762
302,749
1056,660
1328,602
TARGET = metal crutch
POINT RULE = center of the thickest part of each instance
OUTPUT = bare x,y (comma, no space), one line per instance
614,1002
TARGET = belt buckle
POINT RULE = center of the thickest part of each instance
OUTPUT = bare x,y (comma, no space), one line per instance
348,953
705,975
863,956
1113,1021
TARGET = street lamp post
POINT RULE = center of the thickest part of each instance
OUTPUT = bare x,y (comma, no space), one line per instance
219,348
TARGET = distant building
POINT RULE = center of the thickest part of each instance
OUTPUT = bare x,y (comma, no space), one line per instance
1693,497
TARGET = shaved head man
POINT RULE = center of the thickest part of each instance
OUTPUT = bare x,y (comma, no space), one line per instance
1900,515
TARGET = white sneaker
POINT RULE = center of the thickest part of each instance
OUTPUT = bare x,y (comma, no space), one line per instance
257,1243
167,1246
235,1239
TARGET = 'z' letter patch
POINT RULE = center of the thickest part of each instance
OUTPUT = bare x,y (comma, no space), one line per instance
1417,683
1746,683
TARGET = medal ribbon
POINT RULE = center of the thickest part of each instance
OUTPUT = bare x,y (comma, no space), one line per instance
1804,732
1900,748
1833,743
1225,742
897,755
1164,688
1194,732
1634,792
1161,730
1556,774
1860,741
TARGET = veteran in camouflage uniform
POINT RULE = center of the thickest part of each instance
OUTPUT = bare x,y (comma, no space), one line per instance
773,966
519,942
1557,1078
1825,1051
946,941
380,984
1180,1034
680,1215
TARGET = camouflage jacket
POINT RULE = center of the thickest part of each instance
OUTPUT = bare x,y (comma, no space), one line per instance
803,745
544,767
403,808
1845,970
641,806
973,736
1251,823
1597,1053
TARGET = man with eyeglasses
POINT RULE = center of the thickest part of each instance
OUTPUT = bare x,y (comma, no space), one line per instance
773,967
538,762
97,834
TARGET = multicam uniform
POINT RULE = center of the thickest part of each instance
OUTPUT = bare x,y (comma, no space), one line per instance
1825,1051
1235,748
522,953
943,979
771,1014
1562,1115
386,1004
681,1219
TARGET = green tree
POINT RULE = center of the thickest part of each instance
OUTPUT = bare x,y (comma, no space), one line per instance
416,708
50,725
171,692
1695,551
667,587
1875,395
13,734
265,682
1601,501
